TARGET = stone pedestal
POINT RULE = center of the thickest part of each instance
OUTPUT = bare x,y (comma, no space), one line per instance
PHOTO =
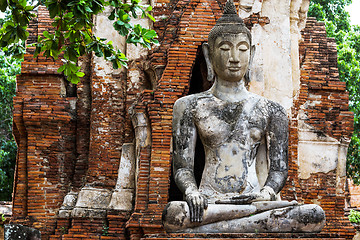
246,236
122,199
92,202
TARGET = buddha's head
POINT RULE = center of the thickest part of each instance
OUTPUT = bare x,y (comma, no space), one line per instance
229,51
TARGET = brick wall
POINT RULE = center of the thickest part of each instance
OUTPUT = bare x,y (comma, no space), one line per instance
324,100
354,194
45,131
67,139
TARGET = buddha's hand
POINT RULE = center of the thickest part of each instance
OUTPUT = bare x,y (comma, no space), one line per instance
266,194
197,203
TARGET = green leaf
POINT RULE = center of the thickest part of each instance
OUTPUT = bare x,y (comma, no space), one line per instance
54,9
61,69
97,50
112,15
6,36
37,51
74,79
133,11
22,3
71,53
22,33
3,5
28,8
137,29
125,17
82,50
80,74
151,17
47,35
107,53
116,64
150,34
88,9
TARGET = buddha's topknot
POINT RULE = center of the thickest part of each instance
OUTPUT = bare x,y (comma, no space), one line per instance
229,22
230,8
230,15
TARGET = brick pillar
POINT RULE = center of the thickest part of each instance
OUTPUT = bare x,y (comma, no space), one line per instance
45,131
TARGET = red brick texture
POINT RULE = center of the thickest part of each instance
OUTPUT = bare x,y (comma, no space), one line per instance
63,147
354,194
327,111
44,128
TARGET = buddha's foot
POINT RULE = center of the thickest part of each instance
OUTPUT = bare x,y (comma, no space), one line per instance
246,218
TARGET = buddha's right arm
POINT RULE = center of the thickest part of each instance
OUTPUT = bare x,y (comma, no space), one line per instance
184,142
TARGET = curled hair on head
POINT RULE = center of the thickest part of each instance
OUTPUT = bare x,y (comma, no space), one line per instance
222,30
229,23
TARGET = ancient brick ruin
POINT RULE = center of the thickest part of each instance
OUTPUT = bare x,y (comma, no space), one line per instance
72,139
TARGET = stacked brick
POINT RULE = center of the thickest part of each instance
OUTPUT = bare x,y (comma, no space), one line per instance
354,195
45,131
67,140
113,227
324,100
106,133
83,112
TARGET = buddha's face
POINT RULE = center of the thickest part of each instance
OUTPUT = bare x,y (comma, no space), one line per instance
230,56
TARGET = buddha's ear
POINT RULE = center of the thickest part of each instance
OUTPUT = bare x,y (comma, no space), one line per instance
252,54
210,70
247,74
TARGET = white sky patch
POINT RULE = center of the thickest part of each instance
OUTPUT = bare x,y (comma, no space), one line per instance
354,10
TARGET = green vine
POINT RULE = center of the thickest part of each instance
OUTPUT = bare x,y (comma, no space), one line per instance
72,36
354,216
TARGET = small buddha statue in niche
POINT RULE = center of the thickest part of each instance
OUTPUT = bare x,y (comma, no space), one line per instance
232,123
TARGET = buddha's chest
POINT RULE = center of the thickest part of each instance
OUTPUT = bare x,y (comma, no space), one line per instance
221,122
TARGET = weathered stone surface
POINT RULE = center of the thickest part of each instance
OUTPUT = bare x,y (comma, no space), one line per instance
271,76
246,219
122,199
126,172
65,213
317,153
6,208
88,213
93,198
232,123
69,201
18,231
177,213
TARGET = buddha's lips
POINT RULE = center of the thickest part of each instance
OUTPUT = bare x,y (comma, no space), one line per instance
234,69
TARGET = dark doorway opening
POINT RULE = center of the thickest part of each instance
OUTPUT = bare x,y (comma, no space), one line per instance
198,83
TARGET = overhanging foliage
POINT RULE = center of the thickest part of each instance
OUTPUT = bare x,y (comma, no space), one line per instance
72,36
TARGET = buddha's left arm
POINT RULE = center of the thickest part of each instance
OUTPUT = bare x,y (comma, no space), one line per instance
277,146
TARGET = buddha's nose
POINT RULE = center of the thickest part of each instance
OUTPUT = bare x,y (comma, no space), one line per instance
234,58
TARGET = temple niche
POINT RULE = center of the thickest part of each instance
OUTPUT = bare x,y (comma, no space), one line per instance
94,160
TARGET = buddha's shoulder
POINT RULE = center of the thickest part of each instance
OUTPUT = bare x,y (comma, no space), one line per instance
193,99
265,103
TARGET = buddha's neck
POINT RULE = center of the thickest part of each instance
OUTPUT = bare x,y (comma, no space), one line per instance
229,91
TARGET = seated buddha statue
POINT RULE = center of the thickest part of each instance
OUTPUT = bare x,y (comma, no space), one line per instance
232,123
